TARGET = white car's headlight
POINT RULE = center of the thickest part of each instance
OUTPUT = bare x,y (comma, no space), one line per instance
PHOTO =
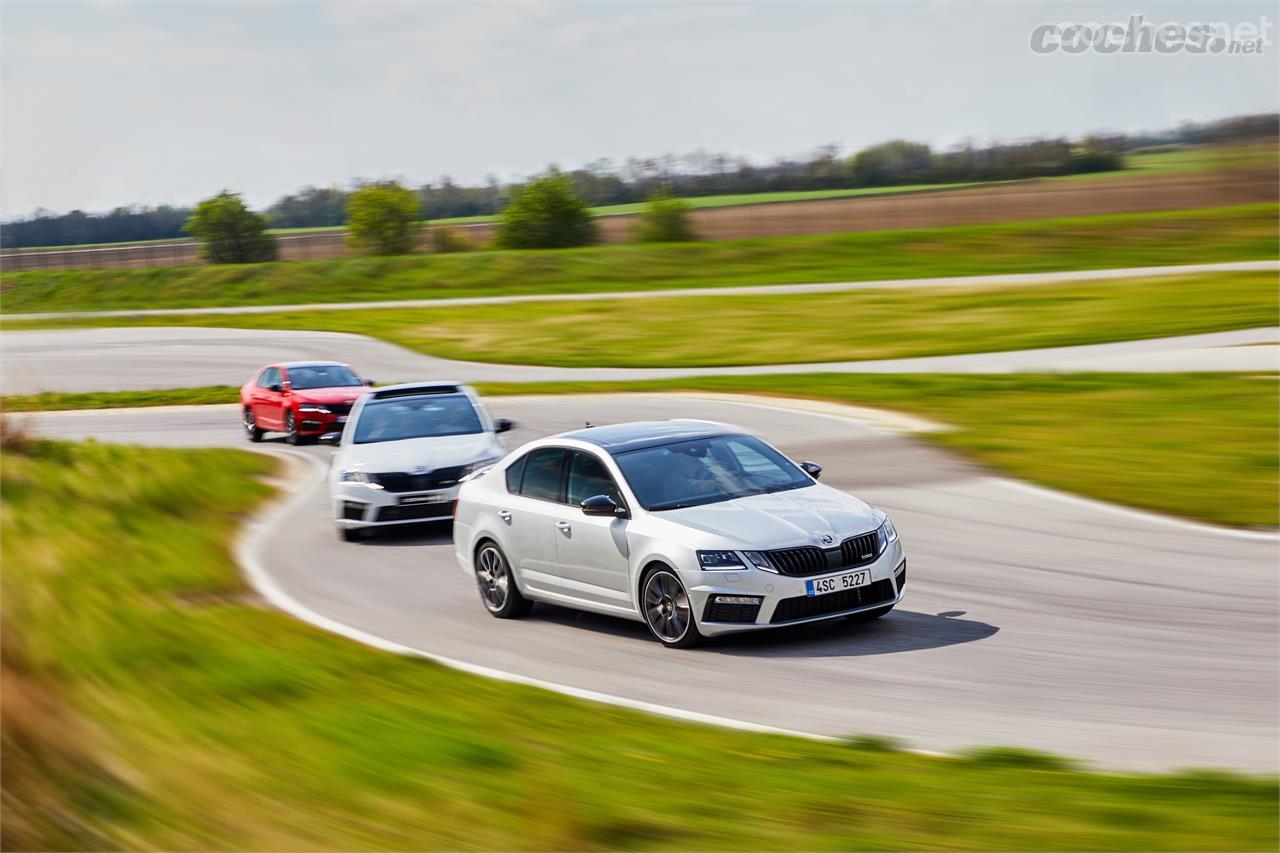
355,475
760,560
719,561
885,534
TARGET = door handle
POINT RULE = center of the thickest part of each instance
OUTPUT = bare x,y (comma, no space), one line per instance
505,515
564,526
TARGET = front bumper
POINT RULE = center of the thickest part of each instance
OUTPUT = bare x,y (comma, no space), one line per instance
319,423
783,600
357,505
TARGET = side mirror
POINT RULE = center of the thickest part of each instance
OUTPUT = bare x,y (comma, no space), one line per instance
602,505
369,382
813,469
276,387
503,425
330,438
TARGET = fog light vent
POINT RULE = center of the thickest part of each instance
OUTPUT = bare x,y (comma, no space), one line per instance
731,608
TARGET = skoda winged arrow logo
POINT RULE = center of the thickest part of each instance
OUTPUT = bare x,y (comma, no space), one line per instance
827,539
419,469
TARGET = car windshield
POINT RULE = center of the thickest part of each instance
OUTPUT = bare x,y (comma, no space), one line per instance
707,470
323,376
428,416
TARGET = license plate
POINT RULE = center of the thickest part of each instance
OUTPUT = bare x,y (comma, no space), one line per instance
837,583
426,499
342,419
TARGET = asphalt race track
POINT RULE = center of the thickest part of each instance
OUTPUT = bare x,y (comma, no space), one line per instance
1032,619
145,358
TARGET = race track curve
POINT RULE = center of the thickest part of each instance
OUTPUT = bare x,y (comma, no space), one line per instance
1032,618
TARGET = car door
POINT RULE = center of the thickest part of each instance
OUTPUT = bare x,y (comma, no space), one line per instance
529,515
266,400
592,550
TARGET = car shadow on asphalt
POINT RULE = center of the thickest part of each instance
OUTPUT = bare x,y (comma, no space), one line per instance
900,631
410,535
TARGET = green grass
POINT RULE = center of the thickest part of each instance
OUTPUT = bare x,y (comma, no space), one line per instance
1246,232
706,331
1193,445
51,401
151,703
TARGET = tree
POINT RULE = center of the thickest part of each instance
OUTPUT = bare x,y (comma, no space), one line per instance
546,214
665,220
381,217
231,233
894,162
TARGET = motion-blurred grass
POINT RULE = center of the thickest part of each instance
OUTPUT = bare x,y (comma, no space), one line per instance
710,331
151,702
1245,232
723,330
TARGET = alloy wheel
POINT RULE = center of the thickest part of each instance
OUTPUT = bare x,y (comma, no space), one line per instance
666,607
493,578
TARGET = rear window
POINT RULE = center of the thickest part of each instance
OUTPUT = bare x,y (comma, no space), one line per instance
514,472
542,472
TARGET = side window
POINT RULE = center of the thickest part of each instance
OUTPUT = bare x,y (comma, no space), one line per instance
588,477
542,470
270,376
514,472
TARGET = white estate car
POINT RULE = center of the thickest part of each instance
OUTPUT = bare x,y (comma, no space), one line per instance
403,452
695,528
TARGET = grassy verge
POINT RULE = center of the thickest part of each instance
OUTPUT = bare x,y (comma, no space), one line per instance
151,703
1199,446
1121,240
51,401
708,331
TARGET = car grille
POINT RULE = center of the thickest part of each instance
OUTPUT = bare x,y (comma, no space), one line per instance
717,612
853,552
353,510
400,481
416,512
804,607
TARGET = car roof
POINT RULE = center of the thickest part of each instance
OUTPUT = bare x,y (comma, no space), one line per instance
289,365
409,389
637,435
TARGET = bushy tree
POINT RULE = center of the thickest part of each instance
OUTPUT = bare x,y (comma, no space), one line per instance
381,219
546,214
894,162
230,232
665,219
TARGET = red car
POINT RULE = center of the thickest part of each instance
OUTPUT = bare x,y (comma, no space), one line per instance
303,399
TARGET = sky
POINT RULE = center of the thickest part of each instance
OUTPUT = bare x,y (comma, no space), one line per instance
120,102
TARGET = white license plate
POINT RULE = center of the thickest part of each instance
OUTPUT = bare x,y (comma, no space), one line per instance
426,499
342,419
837,583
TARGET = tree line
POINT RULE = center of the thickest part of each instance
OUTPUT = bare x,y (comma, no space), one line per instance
702,173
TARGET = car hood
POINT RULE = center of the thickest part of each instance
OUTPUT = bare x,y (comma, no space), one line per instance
431,453
325,396
781,520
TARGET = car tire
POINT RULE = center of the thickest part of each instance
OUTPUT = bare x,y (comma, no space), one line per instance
250,425
497,585
869,615
352,534
667,610
291,429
